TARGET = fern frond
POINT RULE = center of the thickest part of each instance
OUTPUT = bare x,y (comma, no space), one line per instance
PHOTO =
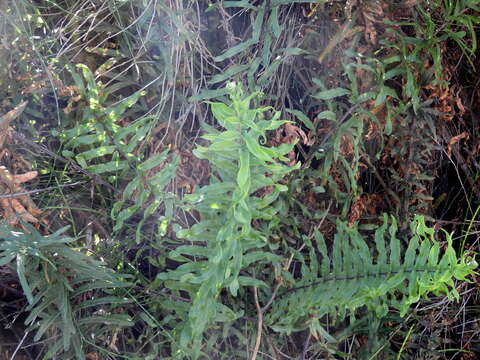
353,276
97,141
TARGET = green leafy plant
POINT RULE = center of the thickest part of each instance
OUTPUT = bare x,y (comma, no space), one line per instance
102,146
95,138
148,191
374,139
71,296
355,274
224,240
265,37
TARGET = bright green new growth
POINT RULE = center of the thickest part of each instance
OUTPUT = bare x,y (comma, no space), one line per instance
227,207
54,277
353,276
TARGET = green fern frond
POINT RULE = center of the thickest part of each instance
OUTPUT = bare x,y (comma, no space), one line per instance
96,140
352,276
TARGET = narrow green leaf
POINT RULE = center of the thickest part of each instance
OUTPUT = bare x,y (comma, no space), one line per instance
273,22
294,51
302,117
394,245
208,94
246,4
235,50
97,152
329,115
331,94
153,161
21,272
228,73
257,150
223,113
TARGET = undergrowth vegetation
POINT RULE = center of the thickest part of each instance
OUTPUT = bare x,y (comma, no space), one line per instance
278,179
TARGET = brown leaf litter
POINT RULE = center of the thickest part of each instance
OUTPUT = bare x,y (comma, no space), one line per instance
14,207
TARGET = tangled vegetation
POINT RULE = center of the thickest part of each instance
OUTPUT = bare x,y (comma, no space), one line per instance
252,179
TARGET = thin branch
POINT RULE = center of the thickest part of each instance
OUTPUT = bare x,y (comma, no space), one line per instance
270,301
29,192
259,324
19,345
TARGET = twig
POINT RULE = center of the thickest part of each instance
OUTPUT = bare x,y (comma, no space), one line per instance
227,26
306,346
259,324
314,148
270,301
343,33
29,192
261,311
277,287
390,192
19,345
272,345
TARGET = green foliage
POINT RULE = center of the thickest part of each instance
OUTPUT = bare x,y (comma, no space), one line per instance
350,277
96,140
361,79
264,38
402,108
101,146
353,275
71,297
149,192
454,21
241,166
